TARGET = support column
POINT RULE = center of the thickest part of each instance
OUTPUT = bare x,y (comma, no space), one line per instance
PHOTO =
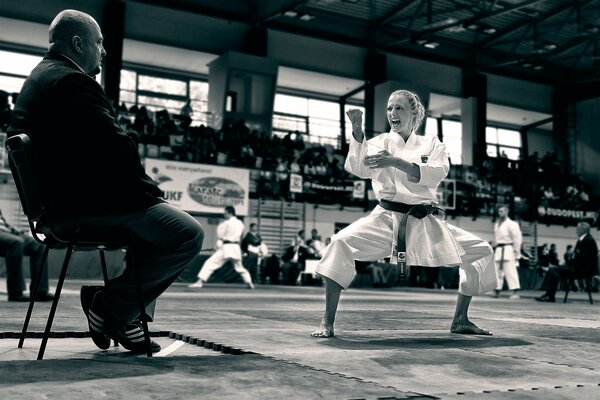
256,41
375,73
561,130
251,80
474,117
113,30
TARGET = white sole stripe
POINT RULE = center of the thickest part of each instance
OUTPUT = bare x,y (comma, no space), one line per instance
170,349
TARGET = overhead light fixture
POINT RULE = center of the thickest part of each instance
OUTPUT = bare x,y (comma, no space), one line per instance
428,43
535,65
544,47
303,16
306,17
548,45
431,44
489,30
479,27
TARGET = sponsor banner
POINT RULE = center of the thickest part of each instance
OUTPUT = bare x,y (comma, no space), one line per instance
200,187
295,183
341,191
576,215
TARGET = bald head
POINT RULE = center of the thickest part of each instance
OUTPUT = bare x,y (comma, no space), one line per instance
583,228
77,35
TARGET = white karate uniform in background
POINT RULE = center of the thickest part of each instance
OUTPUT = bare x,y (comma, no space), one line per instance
508,232
230,230
429,241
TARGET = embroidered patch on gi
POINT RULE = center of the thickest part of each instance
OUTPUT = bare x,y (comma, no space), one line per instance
424,159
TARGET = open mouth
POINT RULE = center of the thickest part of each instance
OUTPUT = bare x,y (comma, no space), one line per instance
396,123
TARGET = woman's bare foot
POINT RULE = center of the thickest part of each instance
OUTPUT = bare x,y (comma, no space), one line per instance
467,328
324,331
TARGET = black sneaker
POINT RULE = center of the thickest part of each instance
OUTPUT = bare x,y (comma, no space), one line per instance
131,336
545,298
18,298
44,296
95,316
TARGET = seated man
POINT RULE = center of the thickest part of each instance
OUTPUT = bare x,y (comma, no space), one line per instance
584,264
15,243
91,176
293,261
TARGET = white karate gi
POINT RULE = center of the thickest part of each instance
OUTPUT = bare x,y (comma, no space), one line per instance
229,233
507,233
429,241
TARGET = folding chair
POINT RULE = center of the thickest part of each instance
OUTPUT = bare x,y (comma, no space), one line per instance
20,156
588,288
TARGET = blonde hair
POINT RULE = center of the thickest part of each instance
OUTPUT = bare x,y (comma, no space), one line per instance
416,106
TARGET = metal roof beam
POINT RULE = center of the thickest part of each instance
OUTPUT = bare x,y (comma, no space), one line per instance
573,6
393,14
468,20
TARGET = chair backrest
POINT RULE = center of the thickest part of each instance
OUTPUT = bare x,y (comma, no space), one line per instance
20,158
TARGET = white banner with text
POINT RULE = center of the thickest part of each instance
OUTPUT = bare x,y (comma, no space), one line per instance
200,187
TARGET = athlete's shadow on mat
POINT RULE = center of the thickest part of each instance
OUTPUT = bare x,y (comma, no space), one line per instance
452,341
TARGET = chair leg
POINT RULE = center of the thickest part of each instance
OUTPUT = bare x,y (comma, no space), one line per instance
105,276
33,295
567,289
59,285
104,270
143,318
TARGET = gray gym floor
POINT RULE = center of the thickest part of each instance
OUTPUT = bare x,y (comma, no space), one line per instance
227,342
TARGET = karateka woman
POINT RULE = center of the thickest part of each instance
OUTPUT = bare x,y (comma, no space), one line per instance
405,169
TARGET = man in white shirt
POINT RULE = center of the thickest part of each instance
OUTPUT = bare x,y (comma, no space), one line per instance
507,252
229,233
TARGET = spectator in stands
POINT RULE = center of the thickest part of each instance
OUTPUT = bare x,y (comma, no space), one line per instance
507,251
294,260
229,234
569,258
316,243
251,250
585,263
92,177
553,260
14,243
270,270
526,257
405,170
4,110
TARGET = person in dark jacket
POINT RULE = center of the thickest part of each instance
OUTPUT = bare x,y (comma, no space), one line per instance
90,175
14,244
584,264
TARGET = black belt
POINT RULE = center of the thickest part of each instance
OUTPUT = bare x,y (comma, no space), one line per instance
501,245
419,211
229,242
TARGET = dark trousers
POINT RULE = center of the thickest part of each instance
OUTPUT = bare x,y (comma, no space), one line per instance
553,278
250,262
290,272
167,240
14,247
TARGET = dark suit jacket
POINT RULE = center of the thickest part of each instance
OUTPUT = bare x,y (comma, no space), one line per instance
86,163
586,257
303,254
